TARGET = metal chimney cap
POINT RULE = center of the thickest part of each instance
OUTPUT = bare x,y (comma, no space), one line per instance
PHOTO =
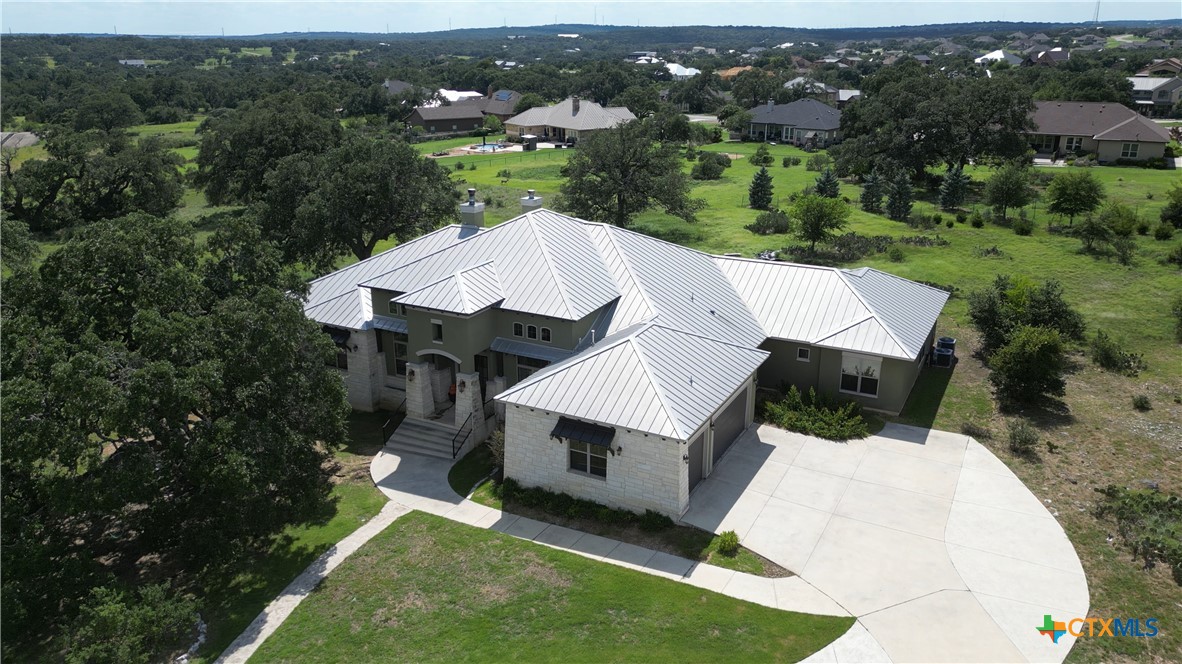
471,196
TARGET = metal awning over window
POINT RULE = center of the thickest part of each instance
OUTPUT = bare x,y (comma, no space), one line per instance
339,337
526,349
390,324
585,432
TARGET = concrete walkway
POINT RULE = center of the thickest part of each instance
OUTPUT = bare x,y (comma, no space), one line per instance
928,538
295,592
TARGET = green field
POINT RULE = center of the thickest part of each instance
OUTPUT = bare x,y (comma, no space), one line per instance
431,590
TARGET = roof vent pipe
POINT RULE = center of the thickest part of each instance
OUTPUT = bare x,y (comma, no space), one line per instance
472,212
530,201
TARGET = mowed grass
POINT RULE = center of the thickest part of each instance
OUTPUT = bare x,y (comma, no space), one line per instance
427,147
431,590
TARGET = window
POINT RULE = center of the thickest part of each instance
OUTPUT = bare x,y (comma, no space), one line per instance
1074,143
802,354
400,354
342,361
546,334
590,459
518,330
860,374
531,332
437,331
1044,143
527,366
1129,150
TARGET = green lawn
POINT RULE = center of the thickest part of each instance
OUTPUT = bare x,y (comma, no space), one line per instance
427,147
431,590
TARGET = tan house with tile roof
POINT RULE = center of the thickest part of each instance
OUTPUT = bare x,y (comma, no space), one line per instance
1109,131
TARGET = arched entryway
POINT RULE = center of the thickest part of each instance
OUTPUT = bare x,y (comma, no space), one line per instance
442,369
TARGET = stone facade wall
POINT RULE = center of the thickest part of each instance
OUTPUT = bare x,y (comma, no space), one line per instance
365,375
647,473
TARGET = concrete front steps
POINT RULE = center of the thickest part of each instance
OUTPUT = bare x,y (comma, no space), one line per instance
423,437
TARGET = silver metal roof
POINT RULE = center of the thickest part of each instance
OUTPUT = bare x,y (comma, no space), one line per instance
344,310
546,262
643,379
590,116
527,349
864,310
465,292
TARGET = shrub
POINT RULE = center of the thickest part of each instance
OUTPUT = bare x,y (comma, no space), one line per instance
817,416
1172,213
872,193
707,169
496,447
762,157
1108,355
953,188
977,220
1141,402
1142,227
1175,256
124,626
997,311
1148,522
827,184
1023,437
654,521
1163,232
896,255
505,174
818,162
924,241
728,543
975,431
1029,367
716,157
791,161
690,153
949,223
899,195
760,192
989,252
771,222
961,217
459,166
1125,247
1022,226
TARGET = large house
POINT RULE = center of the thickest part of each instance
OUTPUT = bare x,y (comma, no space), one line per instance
805,122
1156,97
1163,68
566,121
1109,131
622,366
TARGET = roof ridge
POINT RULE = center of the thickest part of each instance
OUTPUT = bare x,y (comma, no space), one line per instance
558,281
391,249
648,304
891,333
898,278
569,362
655,322
508,223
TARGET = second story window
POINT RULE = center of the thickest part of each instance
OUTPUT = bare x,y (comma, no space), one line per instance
397,309
546,334
531,332
518,330
437,331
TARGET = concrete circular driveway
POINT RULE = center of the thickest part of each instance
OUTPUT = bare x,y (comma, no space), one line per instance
939,550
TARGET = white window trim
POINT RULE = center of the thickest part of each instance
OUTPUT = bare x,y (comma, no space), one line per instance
545,335
434,322
515,332
808,354
1129,150
534,328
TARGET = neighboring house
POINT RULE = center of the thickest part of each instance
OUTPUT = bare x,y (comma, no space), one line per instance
1168,67
500,104
133,63
998,56
623,366
459,118
846,96
1110,131
566,121
728,74
1047,58
680,73
814,88
924,60
805,122
1156,97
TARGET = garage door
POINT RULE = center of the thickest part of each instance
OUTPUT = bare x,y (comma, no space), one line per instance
729,424
696,461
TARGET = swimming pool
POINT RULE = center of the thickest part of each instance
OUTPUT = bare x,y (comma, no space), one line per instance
487,147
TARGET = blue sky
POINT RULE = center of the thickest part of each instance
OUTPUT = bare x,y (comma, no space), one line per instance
181,17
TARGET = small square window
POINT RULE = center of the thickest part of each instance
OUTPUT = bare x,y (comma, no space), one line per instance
342,360
849,382
1129,150
590,459
518,329
802,354
531,332
546,334
437,332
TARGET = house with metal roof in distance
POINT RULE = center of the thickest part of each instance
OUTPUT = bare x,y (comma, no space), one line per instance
622,366
804,122
566,121
1109,131
1156,97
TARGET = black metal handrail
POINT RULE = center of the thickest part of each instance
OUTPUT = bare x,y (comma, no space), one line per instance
461,437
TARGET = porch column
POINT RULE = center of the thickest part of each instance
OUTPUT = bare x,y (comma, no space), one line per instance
420,401
495,387
470,403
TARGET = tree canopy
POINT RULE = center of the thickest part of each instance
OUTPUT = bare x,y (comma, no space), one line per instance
317,207
142,415
617,173
1074,192
818,218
